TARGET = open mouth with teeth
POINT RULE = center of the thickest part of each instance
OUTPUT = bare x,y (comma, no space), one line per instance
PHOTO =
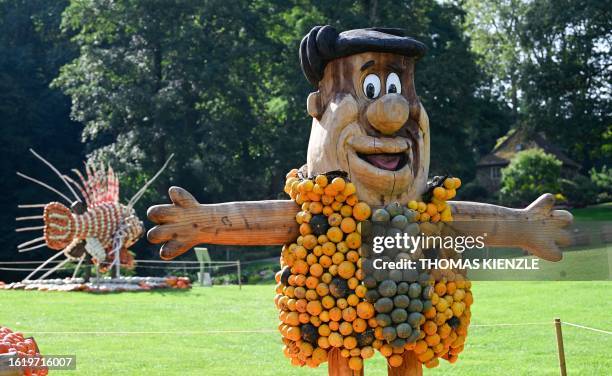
383,165
386,161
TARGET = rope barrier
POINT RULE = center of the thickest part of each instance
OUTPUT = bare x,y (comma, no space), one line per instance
254,331
30,269
229,331
185,262
586,327
137,266
27,262
138,261
510,324
180,267
196,332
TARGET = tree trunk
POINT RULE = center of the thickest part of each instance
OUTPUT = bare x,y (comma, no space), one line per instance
514,96
374,13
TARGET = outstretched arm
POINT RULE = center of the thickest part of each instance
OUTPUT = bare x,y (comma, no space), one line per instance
186,223
537,229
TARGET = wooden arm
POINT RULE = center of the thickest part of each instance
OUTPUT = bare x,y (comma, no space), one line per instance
186,223
537,229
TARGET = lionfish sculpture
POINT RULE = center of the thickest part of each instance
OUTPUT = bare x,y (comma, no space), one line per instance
94,224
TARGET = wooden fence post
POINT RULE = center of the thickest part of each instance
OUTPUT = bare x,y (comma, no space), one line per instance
562,369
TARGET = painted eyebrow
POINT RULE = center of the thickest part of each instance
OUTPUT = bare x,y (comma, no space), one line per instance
367,65
395,67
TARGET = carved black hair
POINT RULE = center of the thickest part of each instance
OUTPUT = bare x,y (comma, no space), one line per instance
323,44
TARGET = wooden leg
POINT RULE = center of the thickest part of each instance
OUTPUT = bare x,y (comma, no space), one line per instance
338,366
410,366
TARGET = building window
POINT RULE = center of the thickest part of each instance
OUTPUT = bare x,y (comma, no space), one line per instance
495,173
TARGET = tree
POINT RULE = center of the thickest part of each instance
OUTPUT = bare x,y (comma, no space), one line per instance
567,77
31,114
550,60
218,83
155,78
190,78
494,29
530,174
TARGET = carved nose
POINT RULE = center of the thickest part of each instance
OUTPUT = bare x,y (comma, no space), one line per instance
388,113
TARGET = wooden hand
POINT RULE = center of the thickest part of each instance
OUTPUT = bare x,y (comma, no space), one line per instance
537,229
186,223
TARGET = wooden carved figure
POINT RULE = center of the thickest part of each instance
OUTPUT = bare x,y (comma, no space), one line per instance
368,147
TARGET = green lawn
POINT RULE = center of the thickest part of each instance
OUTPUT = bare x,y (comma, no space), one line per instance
196,349
601,212
586,262
590,264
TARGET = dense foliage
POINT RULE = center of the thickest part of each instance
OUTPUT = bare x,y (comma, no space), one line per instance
530,174
550,61
139,88
31,115
218,83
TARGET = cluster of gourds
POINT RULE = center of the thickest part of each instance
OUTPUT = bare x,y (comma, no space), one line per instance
442,189
447,320
437,319
14,343
178,282
330,296
320,294
399,295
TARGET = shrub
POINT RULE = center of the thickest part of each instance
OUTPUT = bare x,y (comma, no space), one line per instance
602,181
253,279
473,191
529,174
579,191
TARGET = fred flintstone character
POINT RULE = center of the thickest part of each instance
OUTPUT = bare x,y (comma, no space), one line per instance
368,121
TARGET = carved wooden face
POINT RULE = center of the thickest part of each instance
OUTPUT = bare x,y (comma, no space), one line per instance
368,121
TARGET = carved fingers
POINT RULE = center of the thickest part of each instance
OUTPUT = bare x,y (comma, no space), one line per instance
182,198
545,249
174,248
175,224
548,232
563,217
542,205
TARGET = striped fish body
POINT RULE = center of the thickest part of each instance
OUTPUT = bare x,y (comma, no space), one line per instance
101,222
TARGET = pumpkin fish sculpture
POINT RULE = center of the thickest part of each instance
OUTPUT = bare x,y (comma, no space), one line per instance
369,147
94,224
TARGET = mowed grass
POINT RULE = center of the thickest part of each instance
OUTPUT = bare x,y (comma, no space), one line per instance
207,324
577,265
600,212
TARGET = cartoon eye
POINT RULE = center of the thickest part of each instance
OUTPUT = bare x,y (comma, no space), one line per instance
393,83
371,86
